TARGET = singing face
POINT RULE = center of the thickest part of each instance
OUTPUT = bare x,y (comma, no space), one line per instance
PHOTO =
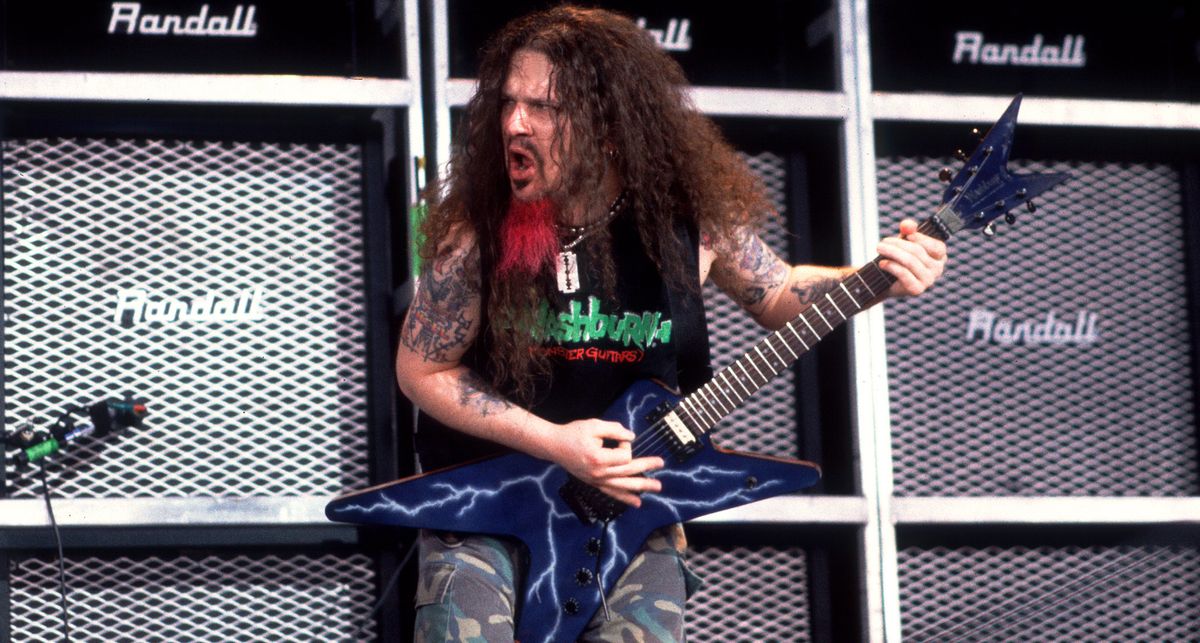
535,136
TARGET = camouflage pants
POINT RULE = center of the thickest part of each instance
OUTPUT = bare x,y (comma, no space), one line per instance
467,590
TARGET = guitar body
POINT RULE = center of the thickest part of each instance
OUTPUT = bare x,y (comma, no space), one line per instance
519,496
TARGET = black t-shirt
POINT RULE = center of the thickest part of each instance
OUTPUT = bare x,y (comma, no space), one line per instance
598,344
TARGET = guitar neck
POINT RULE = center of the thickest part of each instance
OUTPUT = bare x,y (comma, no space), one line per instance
736,383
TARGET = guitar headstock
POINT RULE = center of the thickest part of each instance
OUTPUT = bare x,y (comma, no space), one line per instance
984,189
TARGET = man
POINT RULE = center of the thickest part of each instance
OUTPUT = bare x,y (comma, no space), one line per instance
586,205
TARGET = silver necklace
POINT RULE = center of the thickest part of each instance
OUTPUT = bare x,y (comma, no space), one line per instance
568,263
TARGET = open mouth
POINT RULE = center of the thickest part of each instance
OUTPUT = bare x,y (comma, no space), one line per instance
521,164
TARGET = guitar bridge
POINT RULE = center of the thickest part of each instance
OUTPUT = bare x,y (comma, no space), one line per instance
589,503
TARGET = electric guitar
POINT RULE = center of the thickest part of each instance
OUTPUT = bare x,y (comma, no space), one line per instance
580,540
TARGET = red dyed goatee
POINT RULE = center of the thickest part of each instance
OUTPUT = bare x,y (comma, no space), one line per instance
529,240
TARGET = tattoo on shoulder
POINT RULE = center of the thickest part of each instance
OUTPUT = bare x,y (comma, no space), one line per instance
437,323
812,290
477,393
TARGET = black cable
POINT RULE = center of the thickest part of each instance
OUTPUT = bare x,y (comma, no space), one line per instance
62,570
387,590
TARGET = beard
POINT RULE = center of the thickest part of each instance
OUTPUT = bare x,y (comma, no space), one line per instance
528,238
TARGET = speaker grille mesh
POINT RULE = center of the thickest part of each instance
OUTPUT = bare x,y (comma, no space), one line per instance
1121,593
241,598
767,423
749,594
978,411
273,406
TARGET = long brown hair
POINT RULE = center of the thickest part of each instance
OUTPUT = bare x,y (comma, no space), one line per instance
617,91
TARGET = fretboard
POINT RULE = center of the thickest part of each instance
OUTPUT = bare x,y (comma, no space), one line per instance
737,382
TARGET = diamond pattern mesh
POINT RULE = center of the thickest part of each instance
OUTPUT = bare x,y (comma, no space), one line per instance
241,598
1050,593
749,594
977,410
767,423
269,407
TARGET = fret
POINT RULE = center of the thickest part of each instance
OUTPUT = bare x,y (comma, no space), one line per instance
708,406
880,274
685,408
721,390
810,328
698,415
782,361
785,345
802,342
766,362
704,413
822,316
835,306
718,394
739,383
747,374
715,404
864,283
843,287
760,373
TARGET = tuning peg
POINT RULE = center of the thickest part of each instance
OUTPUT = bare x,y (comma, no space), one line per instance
989,230
1031,206
960,155
944,175
977,134
1010,218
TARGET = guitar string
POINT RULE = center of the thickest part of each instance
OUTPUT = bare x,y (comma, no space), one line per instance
660,437
756,357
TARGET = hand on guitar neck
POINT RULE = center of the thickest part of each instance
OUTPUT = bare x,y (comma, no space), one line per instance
916,260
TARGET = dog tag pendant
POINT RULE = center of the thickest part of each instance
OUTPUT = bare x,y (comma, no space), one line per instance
568,272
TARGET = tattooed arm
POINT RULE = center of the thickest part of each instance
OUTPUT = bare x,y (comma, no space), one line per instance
774,292
442,323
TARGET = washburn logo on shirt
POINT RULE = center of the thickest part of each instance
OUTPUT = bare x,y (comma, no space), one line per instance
984,325
574,326
138,307
127,17
969,46
674,38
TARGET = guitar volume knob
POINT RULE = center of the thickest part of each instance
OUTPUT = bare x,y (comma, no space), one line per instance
571,606
583,577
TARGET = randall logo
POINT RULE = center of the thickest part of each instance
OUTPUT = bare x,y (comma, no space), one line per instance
136,307
674,38
986,326
127,17
970,47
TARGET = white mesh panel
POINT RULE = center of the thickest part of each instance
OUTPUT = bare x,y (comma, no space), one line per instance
243,598
269,406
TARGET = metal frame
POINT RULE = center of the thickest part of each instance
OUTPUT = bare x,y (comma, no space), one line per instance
875,514
227,89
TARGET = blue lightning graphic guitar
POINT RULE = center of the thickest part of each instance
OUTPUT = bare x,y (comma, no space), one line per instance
580,540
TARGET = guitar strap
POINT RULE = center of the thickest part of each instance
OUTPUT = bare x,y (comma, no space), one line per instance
690,324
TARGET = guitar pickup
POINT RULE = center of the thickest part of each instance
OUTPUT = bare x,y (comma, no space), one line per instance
682,442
